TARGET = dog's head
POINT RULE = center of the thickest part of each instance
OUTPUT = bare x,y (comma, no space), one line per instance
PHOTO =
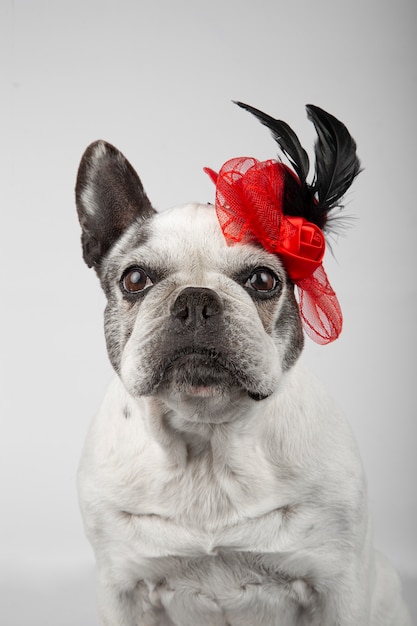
189,318
187,315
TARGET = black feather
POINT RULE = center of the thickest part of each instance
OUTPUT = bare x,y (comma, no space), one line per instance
337,164
286,139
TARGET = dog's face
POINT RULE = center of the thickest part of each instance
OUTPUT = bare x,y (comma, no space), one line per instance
189,318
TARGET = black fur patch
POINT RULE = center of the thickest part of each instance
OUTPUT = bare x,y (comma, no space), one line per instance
109,198
289,329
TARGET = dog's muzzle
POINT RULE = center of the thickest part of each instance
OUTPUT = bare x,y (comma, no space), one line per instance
195,344
195,355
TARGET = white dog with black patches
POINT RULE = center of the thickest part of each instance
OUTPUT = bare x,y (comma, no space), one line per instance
219,484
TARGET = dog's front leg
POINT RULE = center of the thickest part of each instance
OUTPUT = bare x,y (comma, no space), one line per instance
347,600
129,606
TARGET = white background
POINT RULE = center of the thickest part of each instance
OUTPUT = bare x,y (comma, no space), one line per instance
157,79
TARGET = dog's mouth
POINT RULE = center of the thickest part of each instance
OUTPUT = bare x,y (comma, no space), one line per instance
201,373
198,372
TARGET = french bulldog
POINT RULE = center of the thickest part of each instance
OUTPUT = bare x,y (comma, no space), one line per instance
220,484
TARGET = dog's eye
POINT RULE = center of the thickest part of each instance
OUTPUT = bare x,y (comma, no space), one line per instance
135,280
262,279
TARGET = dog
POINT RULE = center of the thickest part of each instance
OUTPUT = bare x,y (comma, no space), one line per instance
219,484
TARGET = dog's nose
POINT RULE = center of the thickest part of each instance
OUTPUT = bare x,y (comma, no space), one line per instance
197,306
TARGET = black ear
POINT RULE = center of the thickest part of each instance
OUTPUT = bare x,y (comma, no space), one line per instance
109,197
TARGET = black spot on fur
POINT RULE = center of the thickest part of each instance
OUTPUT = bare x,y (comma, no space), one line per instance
289,329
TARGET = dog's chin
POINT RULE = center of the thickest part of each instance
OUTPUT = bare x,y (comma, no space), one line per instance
199,375
205,379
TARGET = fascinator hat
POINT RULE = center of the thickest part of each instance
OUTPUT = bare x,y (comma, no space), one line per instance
272,204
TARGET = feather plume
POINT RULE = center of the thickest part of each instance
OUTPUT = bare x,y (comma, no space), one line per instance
286,139
336,167
337,164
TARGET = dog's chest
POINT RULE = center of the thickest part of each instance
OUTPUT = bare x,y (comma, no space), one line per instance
213,491
236,502
215,531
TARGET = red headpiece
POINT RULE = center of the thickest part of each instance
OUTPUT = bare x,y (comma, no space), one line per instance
269,204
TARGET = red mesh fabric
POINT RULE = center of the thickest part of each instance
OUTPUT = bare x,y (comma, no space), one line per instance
243,201
319,308
249,205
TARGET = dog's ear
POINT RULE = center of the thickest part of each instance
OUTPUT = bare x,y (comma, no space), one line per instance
109,198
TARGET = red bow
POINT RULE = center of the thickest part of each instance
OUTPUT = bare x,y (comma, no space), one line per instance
250,197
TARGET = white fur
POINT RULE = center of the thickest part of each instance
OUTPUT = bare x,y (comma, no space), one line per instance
223,511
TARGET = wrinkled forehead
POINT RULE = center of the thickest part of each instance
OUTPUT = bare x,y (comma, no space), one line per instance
191,235
187,228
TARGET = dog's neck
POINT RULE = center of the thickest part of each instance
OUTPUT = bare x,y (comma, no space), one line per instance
197,426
